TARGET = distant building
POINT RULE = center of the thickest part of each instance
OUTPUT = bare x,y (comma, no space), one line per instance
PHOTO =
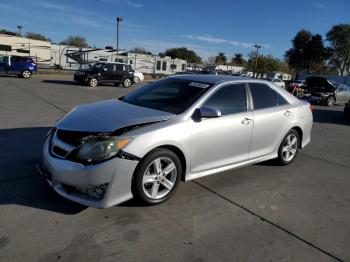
69,57
21,46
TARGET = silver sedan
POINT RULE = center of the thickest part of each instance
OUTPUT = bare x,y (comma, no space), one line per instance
178,128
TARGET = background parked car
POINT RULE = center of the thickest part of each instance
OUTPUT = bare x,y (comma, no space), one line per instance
17,65
347,110
101,73
325,92
277,82
138,77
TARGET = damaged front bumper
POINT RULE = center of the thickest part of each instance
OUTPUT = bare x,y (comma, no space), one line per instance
102,185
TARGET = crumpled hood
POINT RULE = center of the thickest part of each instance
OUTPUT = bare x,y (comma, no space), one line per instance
108,116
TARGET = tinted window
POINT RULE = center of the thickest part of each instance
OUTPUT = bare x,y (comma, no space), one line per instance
229,99
119,67
265,97
170,95
110,67
280,100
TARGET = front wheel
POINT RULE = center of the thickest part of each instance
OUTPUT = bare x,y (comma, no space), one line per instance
157,177
136,80
93,82
330,101
288,148
26,74
127,82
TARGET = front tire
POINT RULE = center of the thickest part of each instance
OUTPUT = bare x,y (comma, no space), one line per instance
330,101
289,147
26,74
93,82
136,80
157,177
127,82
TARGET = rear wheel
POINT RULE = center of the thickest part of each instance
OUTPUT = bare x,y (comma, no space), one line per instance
93,82
157,177
288,148
127,82
26,74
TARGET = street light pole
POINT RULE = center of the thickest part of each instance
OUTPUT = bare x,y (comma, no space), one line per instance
256,58
119,19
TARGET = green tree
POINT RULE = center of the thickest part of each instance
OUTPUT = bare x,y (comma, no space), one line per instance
238,60
221,59
77,41
308,52
37,36
6,32
339,39
140,50
182,53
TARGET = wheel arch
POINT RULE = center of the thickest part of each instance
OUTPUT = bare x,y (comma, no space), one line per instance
300,133
178,152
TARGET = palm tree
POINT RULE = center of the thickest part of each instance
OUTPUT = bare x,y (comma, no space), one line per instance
221,59
238,59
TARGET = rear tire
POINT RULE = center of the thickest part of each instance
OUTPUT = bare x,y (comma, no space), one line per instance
26,74
289,147
127,82
157,176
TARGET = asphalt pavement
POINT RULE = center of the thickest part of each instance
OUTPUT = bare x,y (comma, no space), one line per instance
262,212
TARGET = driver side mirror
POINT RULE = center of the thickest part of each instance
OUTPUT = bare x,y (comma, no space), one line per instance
206,112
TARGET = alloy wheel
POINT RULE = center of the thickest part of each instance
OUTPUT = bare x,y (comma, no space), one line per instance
26,74
159,178
93,82
136,79
290,147
127,82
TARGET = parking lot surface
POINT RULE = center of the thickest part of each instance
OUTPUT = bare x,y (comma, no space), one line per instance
262,212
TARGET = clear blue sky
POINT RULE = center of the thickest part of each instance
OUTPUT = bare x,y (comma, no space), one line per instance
207,26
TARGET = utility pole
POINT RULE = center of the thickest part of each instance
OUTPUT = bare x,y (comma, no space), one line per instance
119,19
19,29
256,58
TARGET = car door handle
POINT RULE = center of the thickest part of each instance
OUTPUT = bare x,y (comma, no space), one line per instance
246,121
287,113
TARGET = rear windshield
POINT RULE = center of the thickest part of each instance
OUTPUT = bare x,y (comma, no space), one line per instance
169,95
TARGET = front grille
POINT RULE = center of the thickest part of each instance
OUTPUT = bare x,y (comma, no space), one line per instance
71,137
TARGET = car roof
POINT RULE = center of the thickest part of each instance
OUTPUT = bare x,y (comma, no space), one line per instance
210,79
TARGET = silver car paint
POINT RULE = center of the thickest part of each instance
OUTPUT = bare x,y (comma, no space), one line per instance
205,153
107,116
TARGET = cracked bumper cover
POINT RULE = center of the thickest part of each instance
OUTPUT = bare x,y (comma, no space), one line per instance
116,172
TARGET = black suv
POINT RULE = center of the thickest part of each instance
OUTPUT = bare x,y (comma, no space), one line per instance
101,73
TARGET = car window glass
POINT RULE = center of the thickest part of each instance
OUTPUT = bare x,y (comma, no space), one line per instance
281,101
229,99
119,67
263,96
110,67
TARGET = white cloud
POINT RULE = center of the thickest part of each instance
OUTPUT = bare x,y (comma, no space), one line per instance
121,2
320,5
215,40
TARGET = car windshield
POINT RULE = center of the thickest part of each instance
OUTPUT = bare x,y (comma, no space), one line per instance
169,95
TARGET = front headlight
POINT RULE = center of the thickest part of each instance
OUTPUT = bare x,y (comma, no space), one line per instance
100,149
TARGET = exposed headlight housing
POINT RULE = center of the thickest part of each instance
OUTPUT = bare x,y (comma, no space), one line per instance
98,149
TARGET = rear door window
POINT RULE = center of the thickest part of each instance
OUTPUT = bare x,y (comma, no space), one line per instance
265,97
